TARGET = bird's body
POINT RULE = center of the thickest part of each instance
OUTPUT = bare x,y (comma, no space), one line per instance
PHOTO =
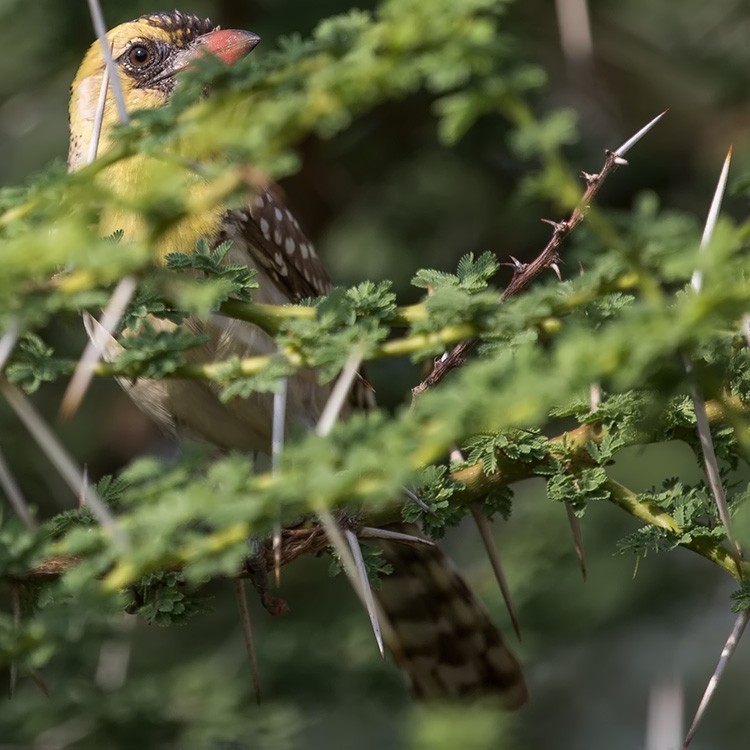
438,632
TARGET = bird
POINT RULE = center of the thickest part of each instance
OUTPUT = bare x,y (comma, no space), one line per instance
439,633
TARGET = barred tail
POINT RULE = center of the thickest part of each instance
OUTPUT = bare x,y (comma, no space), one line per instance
440,634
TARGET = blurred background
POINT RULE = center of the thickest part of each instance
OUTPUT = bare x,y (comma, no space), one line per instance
382,200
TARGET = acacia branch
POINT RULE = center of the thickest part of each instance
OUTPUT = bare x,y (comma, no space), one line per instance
476,484
525,273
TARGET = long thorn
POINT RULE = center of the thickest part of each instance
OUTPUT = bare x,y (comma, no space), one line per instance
8,341
622,150
340,391
369,602
84,371
327,419
15,496
361,587
369,532
699,404
277,444
494,557
247,633
417,500
575,528
726,654
712,464
664,727
712,217
62,461
13,669
96,132
100,28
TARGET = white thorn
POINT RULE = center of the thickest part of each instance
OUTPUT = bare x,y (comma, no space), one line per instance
101,31
713,215
84,371
96,131
726,654
368,598
351,568
8,341
620,152
277,444
15,496
340,391
710,461
63,463
370,532
247,633
665,715
493,555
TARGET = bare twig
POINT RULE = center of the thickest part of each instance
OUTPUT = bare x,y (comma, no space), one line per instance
525,273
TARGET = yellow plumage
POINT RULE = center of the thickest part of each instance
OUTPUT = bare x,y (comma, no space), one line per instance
438,632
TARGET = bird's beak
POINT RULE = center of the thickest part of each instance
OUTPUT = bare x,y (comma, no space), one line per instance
228,45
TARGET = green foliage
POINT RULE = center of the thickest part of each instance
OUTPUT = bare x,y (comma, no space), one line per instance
518,410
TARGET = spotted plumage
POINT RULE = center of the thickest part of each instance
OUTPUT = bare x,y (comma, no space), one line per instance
437,630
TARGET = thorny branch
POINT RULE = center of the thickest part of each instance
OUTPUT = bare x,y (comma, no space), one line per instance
525,273
474,485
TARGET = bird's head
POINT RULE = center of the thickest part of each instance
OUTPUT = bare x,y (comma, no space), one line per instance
148,53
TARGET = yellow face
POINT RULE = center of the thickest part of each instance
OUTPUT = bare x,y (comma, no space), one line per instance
148,54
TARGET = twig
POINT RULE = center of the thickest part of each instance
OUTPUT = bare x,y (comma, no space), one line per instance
525,273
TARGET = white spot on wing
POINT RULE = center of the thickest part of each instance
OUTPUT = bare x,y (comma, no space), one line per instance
265,227
277,236
289,245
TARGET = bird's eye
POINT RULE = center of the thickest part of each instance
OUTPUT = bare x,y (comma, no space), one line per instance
139,55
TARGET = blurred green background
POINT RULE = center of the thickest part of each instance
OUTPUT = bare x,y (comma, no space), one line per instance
382,200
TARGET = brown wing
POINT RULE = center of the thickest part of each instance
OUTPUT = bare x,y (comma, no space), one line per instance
278,245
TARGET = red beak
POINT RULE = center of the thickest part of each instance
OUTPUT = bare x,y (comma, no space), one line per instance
228,45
